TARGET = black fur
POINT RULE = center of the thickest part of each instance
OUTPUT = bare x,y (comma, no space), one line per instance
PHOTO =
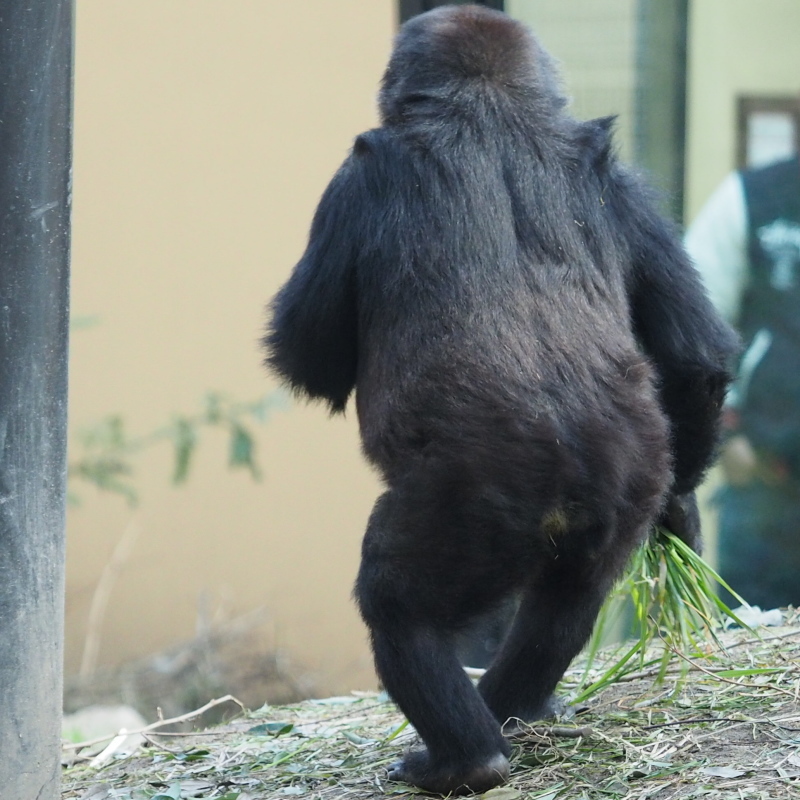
537,370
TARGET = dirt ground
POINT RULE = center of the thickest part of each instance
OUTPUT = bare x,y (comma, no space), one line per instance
724,724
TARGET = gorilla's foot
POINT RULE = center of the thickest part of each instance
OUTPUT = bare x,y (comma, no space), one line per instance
418,769
553,708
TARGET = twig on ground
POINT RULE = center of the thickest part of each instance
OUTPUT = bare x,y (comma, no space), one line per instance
105,755
717,677
228,698
545,733
159,745
693,721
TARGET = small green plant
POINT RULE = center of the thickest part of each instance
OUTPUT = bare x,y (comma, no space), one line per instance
107,451
673,595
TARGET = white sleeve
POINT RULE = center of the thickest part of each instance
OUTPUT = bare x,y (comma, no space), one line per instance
717,243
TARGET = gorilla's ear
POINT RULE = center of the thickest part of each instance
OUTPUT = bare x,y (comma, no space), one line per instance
595,137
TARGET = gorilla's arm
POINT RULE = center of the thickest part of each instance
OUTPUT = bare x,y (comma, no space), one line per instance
691,347
312,339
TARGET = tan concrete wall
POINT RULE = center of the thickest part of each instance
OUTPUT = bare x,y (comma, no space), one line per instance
205,132
736,47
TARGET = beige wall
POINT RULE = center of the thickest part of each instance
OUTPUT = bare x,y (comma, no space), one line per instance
205,133
736,47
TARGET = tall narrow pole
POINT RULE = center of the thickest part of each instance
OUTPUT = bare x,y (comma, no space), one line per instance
35,157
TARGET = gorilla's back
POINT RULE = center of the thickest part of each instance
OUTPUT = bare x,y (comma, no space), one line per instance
482,322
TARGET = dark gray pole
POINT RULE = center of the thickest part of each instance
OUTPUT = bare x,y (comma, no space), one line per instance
35,156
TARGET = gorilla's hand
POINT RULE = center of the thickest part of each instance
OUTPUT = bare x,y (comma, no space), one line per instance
682,517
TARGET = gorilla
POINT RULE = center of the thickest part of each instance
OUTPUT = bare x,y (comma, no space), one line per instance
538,374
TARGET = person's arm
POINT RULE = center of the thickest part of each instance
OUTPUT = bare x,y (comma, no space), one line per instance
717,244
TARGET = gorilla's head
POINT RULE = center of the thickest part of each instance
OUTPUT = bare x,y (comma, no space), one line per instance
469,49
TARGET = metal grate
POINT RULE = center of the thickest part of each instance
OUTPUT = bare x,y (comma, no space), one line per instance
410,8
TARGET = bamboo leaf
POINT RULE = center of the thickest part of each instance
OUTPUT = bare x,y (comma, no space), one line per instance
185,439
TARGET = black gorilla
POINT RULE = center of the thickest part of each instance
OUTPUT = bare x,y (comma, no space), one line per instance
538,374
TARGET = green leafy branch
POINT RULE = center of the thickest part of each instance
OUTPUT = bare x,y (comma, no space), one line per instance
107,450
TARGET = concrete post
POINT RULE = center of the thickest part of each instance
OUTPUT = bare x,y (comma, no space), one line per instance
35,159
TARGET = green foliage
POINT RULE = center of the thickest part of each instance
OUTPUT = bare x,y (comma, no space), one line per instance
107,452
673,595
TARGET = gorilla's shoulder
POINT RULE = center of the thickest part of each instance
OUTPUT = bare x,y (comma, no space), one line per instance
373,142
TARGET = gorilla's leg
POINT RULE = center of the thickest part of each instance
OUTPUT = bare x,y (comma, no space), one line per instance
465,749
554,621
412,598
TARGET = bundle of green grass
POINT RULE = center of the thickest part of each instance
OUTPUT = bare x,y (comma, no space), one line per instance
669,602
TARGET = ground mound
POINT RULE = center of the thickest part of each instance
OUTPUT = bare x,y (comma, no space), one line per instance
722,724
